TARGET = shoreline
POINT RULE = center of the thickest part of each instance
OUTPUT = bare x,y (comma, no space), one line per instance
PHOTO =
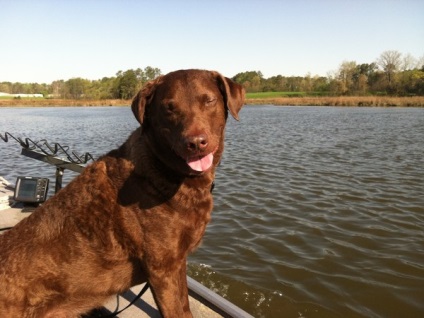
42,102
349,101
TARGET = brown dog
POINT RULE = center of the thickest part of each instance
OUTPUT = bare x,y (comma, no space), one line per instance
131,216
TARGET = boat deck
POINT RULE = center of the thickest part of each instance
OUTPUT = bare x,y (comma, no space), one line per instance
203,302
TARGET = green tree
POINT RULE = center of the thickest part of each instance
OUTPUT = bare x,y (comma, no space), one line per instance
76,87
5,87
251,80
127,84
346,75
411,82
57,88
17,88
150,73
362,77
306,84
293,83
320,84
106,87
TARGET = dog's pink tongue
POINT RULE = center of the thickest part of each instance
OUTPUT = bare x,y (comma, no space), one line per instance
201,163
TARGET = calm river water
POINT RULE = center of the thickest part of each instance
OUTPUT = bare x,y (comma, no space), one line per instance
319,211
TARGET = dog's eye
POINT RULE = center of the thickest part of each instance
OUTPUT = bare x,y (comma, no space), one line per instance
170,107
211,101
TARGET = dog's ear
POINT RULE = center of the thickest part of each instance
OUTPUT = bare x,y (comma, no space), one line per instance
143,98
233,94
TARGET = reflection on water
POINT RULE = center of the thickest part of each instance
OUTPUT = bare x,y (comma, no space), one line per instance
319,212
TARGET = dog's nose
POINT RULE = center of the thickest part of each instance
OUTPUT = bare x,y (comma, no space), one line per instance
197,143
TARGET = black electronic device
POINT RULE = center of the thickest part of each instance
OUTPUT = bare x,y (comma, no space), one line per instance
31,189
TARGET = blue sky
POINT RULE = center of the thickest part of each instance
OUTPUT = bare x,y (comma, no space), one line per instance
42,41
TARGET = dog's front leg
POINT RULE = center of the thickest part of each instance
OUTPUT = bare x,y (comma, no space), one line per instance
170,291
183,292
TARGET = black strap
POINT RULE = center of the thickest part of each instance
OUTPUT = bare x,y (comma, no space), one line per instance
117,312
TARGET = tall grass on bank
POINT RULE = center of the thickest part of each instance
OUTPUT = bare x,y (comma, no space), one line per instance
260,95
375,101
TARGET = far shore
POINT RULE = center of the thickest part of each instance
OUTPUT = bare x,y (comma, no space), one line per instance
352,101
48,102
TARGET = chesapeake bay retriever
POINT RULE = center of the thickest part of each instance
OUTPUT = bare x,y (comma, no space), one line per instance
131,216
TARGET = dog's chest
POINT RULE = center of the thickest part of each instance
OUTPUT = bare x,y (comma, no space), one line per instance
193,212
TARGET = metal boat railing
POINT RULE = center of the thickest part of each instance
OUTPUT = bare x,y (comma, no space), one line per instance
55,154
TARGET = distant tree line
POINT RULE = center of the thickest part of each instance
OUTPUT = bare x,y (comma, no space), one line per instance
391,74
123,86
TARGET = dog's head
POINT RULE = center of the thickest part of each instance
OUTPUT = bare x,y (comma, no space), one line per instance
183,115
